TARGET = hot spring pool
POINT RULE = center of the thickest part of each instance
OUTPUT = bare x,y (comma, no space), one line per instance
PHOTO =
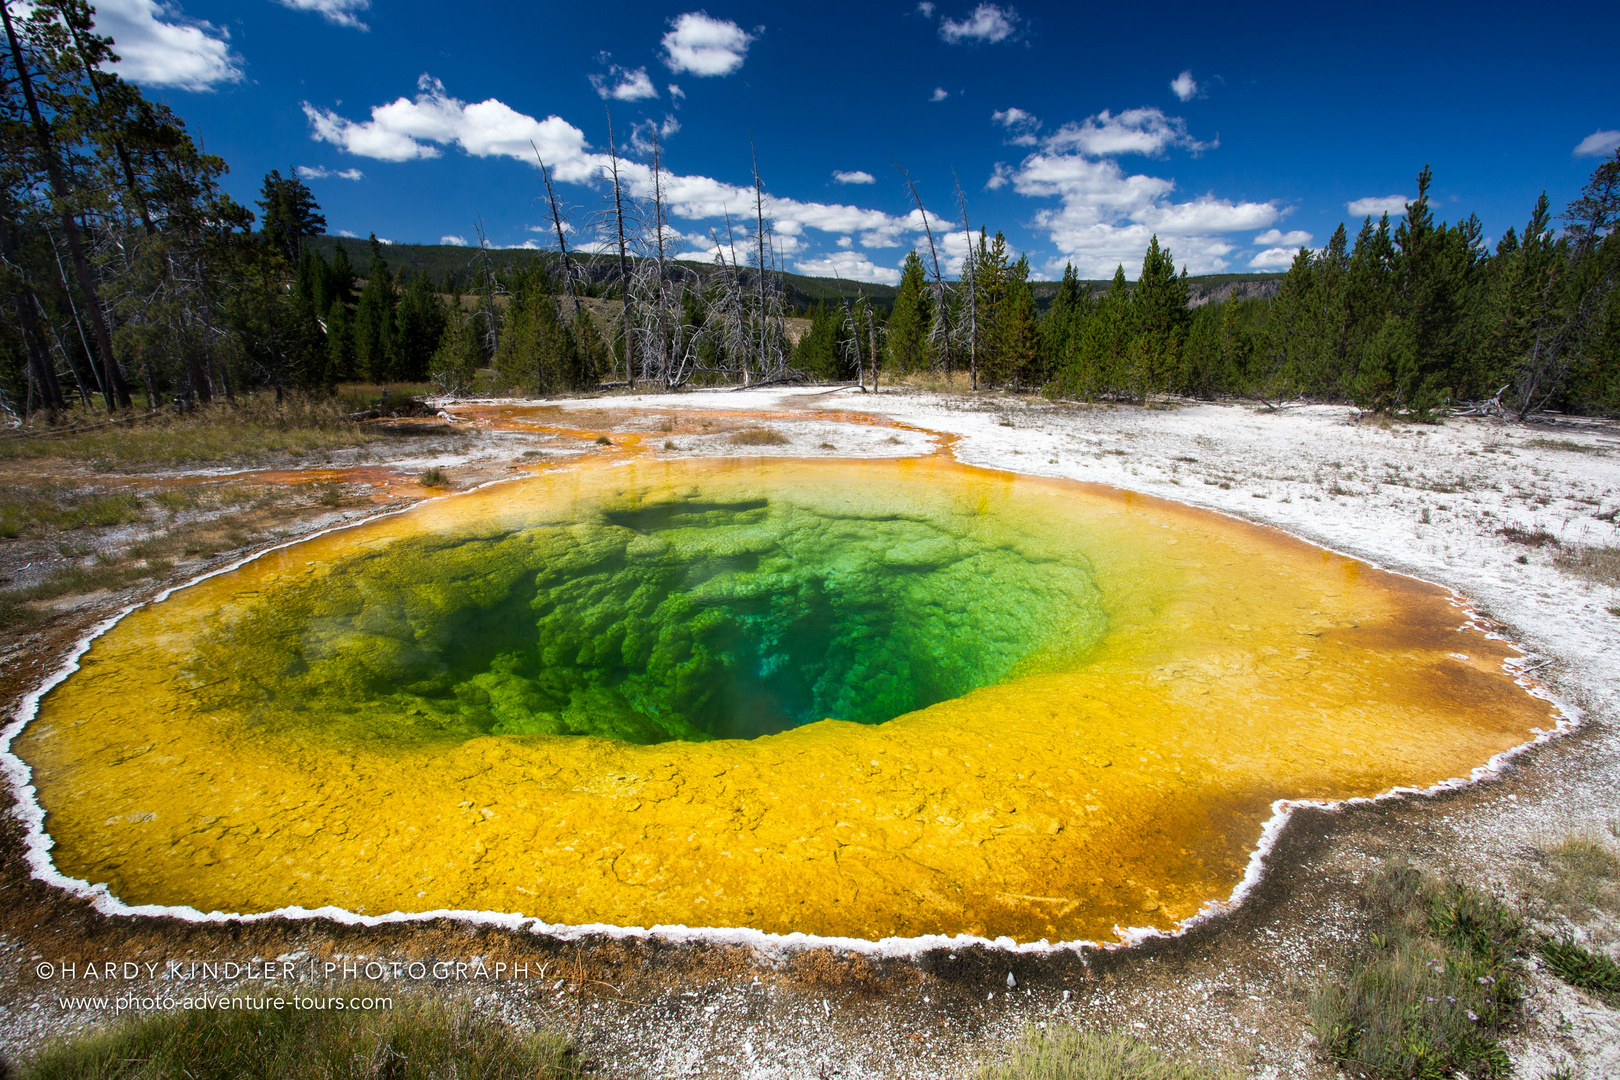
847,698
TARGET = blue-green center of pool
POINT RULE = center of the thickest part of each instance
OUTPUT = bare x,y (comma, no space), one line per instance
686,617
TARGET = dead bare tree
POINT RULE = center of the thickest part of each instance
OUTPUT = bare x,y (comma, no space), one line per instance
624,253
664,344
726,321
562,241
970,285
488,287
940,332
872,344
759,238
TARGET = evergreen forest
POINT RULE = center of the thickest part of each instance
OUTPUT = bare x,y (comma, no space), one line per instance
129,279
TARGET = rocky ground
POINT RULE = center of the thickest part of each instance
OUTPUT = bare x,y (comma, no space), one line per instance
1518,519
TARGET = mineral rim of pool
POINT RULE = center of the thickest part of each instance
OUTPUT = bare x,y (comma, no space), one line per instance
847,698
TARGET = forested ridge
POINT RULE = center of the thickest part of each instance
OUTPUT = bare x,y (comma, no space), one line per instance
129,276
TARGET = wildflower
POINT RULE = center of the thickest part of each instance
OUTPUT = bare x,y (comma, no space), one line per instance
1473,1017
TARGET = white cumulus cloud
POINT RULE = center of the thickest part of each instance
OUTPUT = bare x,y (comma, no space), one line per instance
939,94
1294,240
1378,205
622,84
1105,216
1146,131
158,46
338,12
854,176
420,127
454,241
849,265
700,44
1021,126
926,9
987,23
1185,87
409,128
316,172
1599,144
1277,258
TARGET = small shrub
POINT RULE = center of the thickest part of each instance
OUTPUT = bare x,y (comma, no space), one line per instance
669,444
603,440
1534,538
1071,1054
433,478
1590,971
1523,560
1433,989
332,495
416,1039
1599,564
760,437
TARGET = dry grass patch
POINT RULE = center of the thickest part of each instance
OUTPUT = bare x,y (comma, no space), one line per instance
1599,564
252,430
1576,877
1071,1054
759,437
1532,538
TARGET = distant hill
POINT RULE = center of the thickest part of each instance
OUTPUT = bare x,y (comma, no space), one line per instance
439,261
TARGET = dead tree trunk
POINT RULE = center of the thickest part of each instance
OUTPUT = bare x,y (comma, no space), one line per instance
971,284
59,191
872,339
942,318
624,259
562,244
759,259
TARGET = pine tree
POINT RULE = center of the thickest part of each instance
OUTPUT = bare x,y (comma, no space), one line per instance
1019,338
1284,350
421,322
340,356
374,326
1061,326
910,320
290,214
1159,316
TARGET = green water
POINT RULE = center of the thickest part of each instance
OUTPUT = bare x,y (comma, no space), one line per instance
693,617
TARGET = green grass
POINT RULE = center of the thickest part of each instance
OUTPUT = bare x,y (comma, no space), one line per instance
1577,876
1590,971
433,478
418,1039
1434,988
1072,1054
31,510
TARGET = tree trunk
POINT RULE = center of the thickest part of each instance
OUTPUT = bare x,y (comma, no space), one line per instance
59,189
624,261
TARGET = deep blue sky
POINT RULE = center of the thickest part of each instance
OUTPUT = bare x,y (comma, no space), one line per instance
1291,112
